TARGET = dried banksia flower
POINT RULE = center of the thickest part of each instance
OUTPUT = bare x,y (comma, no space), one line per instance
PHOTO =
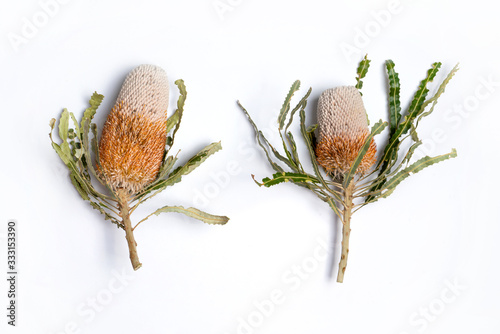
343,130
133,138
346,149
132,158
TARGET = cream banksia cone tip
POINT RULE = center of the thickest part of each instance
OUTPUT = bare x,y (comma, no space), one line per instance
343,130
132,158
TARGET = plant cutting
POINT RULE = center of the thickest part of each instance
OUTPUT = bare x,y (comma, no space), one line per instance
348,170
132,159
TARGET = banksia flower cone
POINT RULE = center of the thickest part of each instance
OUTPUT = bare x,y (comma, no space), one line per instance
133,138
132,158
343,129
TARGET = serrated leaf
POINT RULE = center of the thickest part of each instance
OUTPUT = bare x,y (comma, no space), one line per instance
293,148
63,132
85,129
176,121
188,167
198,159
376,129
286,104
194,213
302,104
414,168
76,125
258,136
66,158
94,102
363,67
286,177
414,134
410,152
434,99
167,166
173,120
73,169
289,145
334,207
107,216
391,149
289,159
63,125
394,101
79,187
308,138
418,100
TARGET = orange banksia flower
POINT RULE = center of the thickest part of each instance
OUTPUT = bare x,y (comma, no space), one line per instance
343,130
132,157
133,138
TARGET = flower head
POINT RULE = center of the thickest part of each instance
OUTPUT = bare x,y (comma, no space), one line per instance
343,129
133,138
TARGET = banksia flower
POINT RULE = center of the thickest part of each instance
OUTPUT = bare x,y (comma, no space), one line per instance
345,147
343,130
132,158
133,138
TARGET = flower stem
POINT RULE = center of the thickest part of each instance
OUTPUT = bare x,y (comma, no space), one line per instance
129,233
346,231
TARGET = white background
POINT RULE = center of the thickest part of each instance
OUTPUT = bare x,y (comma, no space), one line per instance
439,229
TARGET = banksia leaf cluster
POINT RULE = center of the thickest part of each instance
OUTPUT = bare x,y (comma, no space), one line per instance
132,158
348,171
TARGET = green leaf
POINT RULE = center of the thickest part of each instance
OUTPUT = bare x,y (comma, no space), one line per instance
198,159
107,216
293,148
286,104
376,129
63,132
302,104
434,99
417,103
167,166
79,187
286,177
364,64
394,102
391,149
173,120
76,125
410,152
289,145
86,144
308,138
193,213
413,169
63,125
95,102
73,169
258,136
187,168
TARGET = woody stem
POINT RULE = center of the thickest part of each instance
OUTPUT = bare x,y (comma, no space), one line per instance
129,233
346,231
